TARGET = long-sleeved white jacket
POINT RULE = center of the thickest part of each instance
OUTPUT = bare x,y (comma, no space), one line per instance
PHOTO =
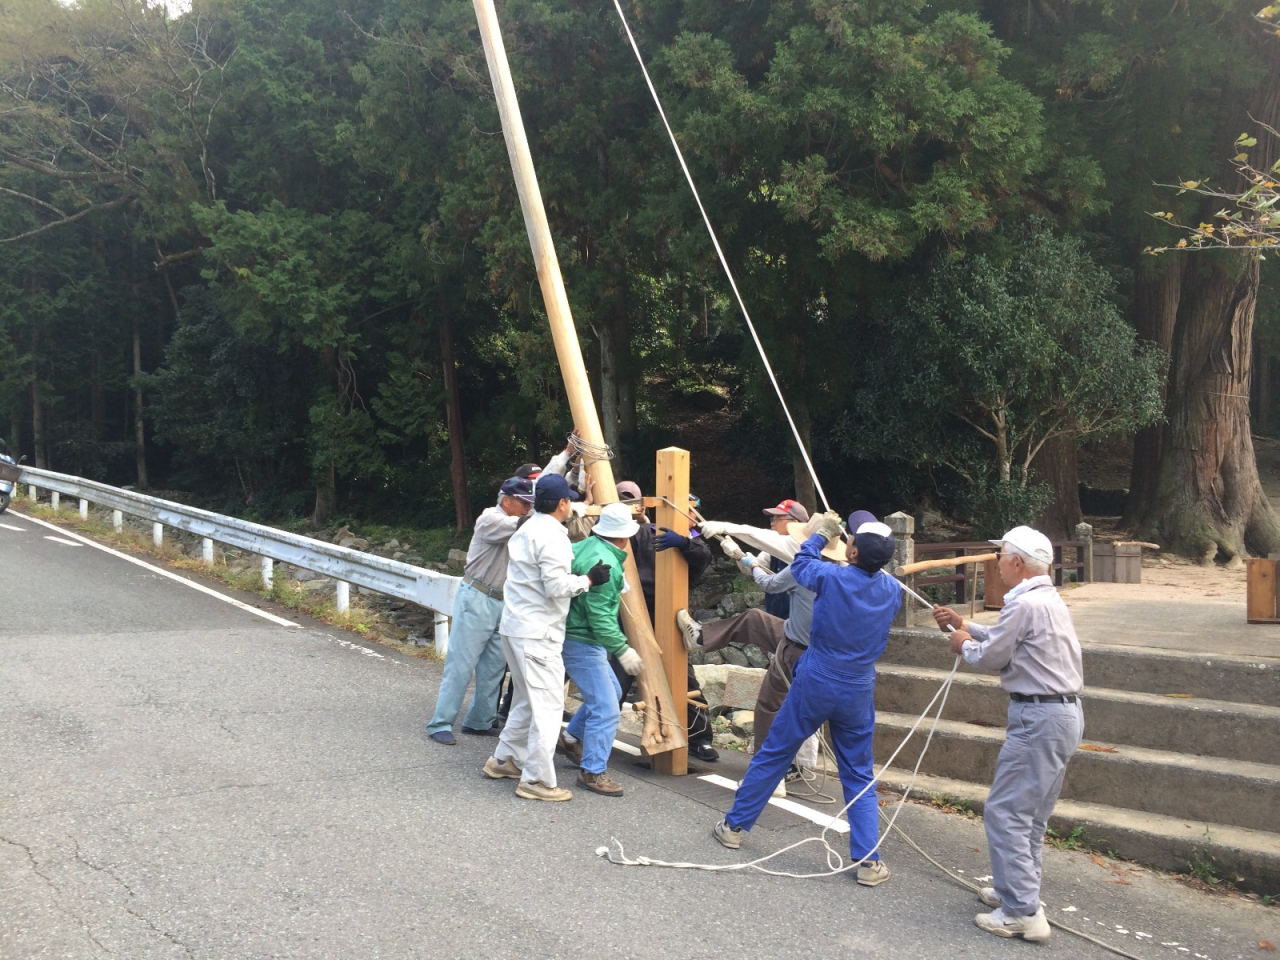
540,580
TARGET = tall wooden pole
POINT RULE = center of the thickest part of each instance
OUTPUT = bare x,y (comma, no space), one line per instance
671,580
664,728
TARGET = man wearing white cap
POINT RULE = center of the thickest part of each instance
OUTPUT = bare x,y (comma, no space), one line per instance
1034,646
591,634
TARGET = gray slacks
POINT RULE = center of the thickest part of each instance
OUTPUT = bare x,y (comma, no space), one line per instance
1040,739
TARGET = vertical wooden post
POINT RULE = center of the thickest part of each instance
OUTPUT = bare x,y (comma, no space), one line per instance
671,593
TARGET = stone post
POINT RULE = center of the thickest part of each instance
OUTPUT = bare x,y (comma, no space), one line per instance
904,530
1084,533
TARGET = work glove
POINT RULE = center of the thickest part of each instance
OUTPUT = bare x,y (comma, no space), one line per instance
600,573
669,538
631,661
746,562
827,525
712,528
731,548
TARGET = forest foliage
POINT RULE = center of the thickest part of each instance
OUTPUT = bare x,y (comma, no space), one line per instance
269,252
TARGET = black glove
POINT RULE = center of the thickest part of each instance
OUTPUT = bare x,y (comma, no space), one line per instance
668,539
599,574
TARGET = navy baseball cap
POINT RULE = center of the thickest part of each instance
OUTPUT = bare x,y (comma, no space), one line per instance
518,487
858,518
552,486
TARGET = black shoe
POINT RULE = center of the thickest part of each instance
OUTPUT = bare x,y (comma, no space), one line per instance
705,752
444,736
491,732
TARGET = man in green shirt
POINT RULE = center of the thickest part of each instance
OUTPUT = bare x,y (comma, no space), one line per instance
591,634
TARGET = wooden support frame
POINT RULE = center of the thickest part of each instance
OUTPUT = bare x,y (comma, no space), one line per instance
671,593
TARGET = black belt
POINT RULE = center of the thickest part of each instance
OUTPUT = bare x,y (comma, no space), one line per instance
1043,697
484,588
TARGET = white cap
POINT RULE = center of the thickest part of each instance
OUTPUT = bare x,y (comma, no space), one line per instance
876,527
615,522
1028,542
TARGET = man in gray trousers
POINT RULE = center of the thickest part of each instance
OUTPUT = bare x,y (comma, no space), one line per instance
1034,646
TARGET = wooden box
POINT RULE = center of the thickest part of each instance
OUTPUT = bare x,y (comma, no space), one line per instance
1261,603
1117,563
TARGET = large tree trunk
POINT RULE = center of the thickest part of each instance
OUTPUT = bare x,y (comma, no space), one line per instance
1055,464
1155,311
139,430
608,382
38,437
1209,501
457,449
806,492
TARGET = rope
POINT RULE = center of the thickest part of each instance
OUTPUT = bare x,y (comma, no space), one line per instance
587,452
715,241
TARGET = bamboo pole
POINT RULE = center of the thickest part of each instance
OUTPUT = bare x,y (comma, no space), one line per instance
660,732
910,568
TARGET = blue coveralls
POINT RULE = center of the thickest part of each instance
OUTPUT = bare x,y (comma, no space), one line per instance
834,682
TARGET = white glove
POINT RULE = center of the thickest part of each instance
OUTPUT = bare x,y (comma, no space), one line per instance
731,548
746,562
713,528
631,661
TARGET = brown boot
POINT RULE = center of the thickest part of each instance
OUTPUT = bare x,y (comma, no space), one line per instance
600,783
572,750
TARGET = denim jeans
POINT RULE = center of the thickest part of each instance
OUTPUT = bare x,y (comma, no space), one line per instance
596,721
815,698
474,647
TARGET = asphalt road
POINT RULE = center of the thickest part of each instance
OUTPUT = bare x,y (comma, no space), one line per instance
179,778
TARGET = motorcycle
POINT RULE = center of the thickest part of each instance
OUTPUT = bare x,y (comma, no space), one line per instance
10,474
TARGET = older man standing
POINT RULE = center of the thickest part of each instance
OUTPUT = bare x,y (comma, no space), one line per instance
475,646
1034,646
540,584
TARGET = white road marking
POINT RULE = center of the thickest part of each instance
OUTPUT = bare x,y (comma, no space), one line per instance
799,809
10,526
165,573
69,543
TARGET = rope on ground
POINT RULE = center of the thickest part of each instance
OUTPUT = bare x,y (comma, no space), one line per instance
724,263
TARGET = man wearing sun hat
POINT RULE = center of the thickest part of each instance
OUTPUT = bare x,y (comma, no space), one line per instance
1034,646
475,646
834,683
591,634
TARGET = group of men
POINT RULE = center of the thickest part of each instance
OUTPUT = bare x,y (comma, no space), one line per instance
537,604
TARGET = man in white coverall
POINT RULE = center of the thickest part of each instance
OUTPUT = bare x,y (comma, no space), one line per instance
540,584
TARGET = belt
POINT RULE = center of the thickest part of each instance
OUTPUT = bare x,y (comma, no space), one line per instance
1043,697
484,588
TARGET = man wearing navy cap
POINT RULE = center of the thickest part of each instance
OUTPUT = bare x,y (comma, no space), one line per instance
540,584
474,644
834,682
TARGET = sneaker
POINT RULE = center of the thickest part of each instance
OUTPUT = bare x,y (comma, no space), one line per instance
872,873
988,896
444,736
794,773
600,783
493,731
690,630
537,790
570,748
781,789
705,752
506,770
728,836
1034,928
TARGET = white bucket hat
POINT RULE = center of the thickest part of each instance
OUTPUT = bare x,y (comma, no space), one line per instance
1028,542
615,522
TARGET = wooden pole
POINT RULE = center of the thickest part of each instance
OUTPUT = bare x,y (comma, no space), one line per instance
660,732
671,593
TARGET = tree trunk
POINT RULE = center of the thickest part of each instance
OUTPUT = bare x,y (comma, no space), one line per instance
806,492
608,382
326,496
1155,310
38,437
457,449
1209,502
139,430
97,399
1055,464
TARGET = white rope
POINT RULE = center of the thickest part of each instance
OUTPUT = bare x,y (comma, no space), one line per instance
795,432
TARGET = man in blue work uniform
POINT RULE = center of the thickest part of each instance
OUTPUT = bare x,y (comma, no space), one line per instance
834,683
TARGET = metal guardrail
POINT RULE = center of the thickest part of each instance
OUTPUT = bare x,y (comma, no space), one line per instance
393,578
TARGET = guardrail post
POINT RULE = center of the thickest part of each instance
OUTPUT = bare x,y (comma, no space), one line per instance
268,572
54,500
32,492
117,520
904,529
206,551
84,509
157,534
1084,533
342,598
442,634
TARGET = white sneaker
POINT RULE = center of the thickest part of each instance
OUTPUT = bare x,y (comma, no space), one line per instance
872,873
690,629
781,789
988,896
1034,928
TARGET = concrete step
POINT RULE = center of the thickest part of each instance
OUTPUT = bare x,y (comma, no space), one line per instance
1210,789
1213,728
1250,858
1136,669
